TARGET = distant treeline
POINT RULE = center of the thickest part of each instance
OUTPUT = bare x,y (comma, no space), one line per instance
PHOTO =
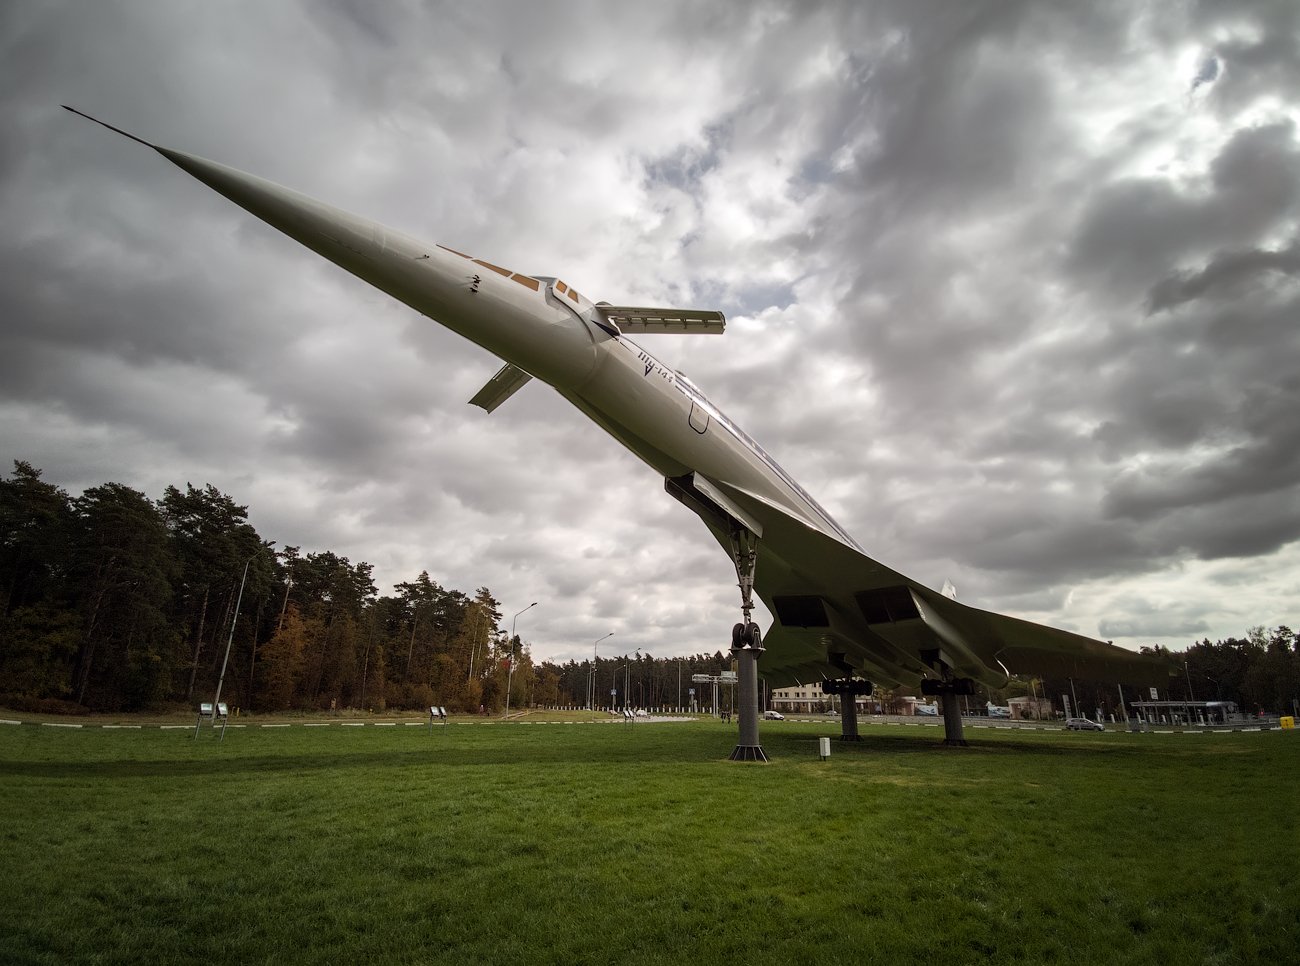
115,602
112,601
1260,672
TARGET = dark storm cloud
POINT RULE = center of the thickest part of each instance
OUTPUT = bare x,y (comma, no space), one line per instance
1137,229
1225,275
1268,463
1152,625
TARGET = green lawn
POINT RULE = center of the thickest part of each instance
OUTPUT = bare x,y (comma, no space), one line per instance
576,844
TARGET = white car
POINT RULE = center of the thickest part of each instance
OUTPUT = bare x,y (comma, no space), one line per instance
1083,724
773,716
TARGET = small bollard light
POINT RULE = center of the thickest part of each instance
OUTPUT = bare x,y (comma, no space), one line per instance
824,748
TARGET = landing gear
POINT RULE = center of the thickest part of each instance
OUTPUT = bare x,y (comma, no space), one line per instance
746,646
948,691
848,689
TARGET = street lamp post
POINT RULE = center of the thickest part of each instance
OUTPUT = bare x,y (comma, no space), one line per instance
627,677
613,688
221,680
510,675
591,678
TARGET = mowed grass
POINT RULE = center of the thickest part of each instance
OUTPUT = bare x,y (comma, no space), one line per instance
510,843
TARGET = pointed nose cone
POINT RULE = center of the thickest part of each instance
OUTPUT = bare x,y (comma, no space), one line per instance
321,227
332,232
514,321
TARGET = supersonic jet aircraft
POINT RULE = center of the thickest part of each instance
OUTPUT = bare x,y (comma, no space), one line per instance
841,616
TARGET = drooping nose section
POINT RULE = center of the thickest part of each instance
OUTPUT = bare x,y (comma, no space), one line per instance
517,317
350,241
520,318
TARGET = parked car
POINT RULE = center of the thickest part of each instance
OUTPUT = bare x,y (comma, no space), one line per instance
773,716
1083,724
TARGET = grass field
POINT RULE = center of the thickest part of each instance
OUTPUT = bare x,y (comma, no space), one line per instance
576,844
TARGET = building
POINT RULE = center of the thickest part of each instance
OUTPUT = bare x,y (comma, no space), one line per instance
1031,709
809,699
800,699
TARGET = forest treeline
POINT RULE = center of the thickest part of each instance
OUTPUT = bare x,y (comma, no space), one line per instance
116,602
1258,672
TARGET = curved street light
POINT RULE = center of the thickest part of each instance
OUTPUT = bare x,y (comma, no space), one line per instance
221,680
591,678
511,674
627,677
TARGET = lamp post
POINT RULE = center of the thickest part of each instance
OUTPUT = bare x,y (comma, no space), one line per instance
627,677
511,673
591,678
231,640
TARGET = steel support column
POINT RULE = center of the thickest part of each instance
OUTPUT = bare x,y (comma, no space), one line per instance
952,724
848,713
748,748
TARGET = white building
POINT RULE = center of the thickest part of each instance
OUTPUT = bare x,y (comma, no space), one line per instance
809,699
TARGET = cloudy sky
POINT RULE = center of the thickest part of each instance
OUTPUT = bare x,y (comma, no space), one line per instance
1013,288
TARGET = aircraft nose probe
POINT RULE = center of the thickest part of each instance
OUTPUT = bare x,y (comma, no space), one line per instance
117,130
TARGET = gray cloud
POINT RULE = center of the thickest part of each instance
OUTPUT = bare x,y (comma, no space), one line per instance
1225,275
1141,227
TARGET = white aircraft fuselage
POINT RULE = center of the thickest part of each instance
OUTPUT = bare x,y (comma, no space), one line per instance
539,324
